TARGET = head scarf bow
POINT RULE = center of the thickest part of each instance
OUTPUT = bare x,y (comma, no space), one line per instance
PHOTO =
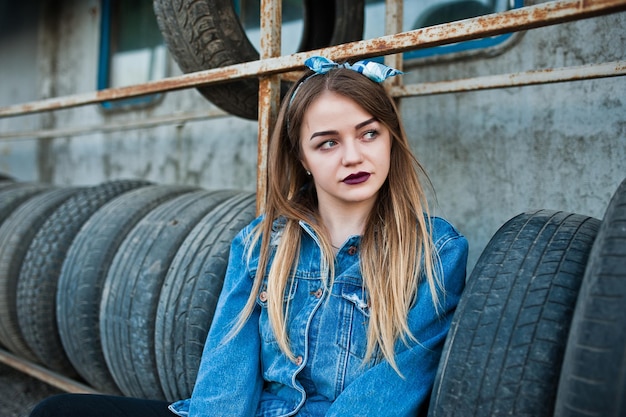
372,70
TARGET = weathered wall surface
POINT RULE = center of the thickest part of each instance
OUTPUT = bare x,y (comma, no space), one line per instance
490,154
493,154
62,59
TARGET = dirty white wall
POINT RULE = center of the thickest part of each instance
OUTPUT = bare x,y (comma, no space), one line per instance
490,154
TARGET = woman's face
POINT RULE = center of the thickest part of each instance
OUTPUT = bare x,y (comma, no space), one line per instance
346,150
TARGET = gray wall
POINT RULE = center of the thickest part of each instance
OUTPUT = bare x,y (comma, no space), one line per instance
490,154
18,80
493,154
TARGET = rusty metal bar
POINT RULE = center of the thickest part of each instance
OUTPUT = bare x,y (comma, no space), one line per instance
269,92
525,18
49,377
177,118
534,77
393,24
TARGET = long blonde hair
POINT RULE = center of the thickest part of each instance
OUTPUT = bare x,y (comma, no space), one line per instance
396,248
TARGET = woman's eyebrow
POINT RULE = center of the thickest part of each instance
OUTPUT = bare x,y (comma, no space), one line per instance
365,123
324,133
334,132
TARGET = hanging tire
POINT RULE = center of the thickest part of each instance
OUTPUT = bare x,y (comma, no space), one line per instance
190,291
593,377
205,34
132,287
506,342
88,259
16,234
37,283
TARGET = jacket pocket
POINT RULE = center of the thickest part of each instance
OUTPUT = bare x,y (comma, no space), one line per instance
353,312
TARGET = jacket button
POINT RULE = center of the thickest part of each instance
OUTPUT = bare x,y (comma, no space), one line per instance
352,250
263,296
299,360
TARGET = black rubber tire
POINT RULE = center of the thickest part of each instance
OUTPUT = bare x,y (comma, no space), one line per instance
16,234
190,292
593,377
17,193
37,283
506,342
79,290
132,287
205,34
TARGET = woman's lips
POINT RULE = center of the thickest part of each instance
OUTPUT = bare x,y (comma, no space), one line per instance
357,178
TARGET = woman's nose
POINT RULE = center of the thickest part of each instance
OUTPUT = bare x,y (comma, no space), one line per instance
352,153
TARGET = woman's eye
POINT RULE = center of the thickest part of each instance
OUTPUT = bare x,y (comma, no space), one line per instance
370,134
327,144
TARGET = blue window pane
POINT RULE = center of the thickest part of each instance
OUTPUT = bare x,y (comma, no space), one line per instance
132,50
423,13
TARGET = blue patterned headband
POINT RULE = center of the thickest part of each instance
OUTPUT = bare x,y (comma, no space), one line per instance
372,70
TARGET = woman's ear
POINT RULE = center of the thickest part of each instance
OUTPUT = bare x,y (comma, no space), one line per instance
305,167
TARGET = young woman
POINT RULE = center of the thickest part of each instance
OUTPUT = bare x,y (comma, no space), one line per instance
337,300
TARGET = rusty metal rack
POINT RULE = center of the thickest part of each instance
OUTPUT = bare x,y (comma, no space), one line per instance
271,67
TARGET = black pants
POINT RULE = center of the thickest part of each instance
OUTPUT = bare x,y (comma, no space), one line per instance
89,405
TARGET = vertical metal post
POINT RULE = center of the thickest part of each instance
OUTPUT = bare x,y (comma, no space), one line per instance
269,92
393,24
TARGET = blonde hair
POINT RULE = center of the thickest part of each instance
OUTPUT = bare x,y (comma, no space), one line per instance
396,248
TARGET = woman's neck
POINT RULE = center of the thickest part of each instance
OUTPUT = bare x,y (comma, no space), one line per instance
343,222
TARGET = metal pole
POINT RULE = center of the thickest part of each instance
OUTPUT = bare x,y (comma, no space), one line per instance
176,118
394,16
552,75
45,375
269,92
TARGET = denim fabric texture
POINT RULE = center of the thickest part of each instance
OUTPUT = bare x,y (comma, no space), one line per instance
327,327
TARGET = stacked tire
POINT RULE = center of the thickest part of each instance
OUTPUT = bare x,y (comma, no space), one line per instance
540,329
115,285
593,375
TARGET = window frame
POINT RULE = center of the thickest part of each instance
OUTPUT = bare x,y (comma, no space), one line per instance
104,65
453,50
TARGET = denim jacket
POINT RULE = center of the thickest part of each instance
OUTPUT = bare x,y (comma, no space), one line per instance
248,375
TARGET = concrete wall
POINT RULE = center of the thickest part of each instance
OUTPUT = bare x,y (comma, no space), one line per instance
18,80
493,154
490,154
